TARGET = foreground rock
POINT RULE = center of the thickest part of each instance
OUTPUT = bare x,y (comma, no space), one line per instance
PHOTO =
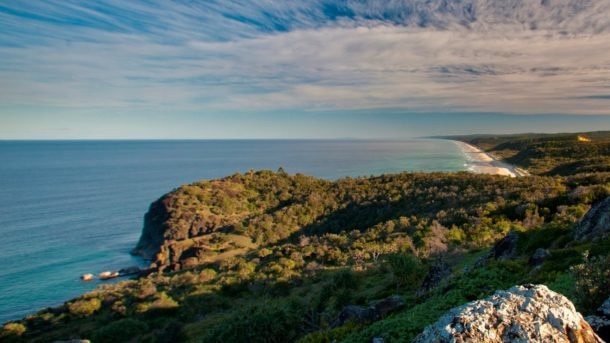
601,322
530,313
595,224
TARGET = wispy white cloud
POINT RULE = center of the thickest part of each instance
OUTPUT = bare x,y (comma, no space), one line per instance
480,55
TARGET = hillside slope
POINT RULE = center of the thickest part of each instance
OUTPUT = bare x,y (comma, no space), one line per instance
268,256
549,154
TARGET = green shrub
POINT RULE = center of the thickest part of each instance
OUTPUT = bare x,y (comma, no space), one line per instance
207,275
85,307
163,301
329,336
592,281
406,269
266,322
123,330
12,329
170,333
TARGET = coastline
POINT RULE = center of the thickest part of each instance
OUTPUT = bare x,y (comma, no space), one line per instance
481,162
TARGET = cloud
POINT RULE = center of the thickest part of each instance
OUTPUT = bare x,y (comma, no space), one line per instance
479,55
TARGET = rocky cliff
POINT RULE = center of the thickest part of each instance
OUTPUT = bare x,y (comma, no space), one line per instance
155,225
595,224
193,224
209,221
530,313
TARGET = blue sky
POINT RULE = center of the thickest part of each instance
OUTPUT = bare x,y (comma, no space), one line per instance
298,69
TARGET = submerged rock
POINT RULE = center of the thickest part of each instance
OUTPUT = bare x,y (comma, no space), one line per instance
134,270
595,224
530,313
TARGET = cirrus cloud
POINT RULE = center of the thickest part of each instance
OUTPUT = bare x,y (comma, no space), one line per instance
479,55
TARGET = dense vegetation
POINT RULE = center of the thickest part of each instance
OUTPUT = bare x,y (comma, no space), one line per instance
550,154
276,257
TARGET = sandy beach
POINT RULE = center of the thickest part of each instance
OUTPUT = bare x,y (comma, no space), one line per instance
482,163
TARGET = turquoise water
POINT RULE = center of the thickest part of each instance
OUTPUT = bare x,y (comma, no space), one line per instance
74,207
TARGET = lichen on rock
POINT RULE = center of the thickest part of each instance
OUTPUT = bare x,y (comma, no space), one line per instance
530,313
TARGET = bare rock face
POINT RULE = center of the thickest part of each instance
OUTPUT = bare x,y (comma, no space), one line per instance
506,248
439,271
595,224
155,226
530,313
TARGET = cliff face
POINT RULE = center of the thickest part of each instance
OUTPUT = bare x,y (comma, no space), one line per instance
155,225
180,232
203,222
530,313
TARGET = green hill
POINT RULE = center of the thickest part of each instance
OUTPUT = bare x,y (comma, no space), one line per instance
549,154
272,257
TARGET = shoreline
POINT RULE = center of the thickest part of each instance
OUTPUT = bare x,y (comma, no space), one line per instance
481,162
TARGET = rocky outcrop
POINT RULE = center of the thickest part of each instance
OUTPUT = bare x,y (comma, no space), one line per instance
177,232
504,249
530,313
595,224
438,271
538,257
375,311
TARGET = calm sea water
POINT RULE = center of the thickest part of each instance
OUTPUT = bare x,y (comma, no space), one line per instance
74,207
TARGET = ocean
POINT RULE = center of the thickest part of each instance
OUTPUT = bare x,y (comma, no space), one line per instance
74,207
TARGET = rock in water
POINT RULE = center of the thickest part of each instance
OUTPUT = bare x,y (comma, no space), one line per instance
595,224
530,313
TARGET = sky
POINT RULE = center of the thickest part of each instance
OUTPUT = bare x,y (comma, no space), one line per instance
302,69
